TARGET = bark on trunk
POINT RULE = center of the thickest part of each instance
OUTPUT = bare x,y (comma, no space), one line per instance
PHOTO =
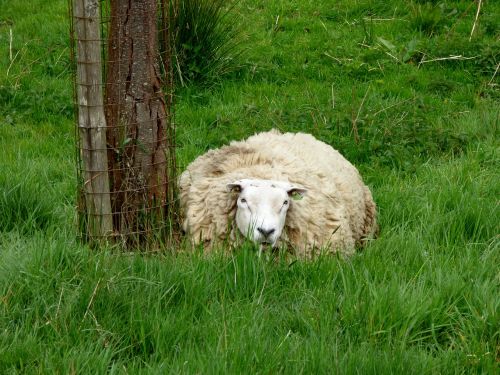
137,119
91,120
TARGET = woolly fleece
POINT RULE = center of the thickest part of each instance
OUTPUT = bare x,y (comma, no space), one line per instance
336,214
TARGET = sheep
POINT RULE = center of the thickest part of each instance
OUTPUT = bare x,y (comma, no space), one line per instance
277,190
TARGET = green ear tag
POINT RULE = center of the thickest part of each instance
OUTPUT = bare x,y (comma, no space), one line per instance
296,196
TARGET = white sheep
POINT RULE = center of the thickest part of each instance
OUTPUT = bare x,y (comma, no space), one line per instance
277,189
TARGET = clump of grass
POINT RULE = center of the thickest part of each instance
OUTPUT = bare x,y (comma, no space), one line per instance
23,206
427,18
205,40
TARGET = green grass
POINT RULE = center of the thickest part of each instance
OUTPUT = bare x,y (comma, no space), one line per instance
423,298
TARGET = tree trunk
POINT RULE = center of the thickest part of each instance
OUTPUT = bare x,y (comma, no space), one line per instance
91,121
138,121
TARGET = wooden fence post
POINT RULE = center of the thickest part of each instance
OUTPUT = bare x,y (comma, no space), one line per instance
91,120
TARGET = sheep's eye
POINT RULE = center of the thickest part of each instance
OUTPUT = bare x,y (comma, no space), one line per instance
285,203
243,200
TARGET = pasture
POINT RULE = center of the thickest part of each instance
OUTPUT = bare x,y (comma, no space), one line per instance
402,88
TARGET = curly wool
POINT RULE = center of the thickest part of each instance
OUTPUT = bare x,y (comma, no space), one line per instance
336,214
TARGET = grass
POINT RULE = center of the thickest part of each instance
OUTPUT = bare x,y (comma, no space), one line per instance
423,298
205,41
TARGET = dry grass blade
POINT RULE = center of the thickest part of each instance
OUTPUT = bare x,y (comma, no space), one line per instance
355,120
479,3
333,98
457,57
494,74
91,299
392,106
10,44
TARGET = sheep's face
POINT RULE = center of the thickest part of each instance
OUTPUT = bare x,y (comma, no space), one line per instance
262,206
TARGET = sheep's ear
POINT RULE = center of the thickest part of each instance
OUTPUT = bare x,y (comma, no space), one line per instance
235,187
296,192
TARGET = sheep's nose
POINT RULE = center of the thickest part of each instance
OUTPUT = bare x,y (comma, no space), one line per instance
266,232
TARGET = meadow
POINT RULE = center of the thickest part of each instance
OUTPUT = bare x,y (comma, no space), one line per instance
408,91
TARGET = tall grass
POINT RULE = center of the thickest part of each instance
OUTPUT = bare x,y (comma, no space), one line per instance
422,298
205,38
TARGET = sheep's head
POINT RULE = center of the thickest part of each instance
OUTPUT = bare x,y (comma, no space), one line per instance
262,206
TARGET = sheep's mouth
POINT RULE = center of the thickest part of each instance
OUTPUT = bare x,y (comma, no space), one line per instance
267,245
